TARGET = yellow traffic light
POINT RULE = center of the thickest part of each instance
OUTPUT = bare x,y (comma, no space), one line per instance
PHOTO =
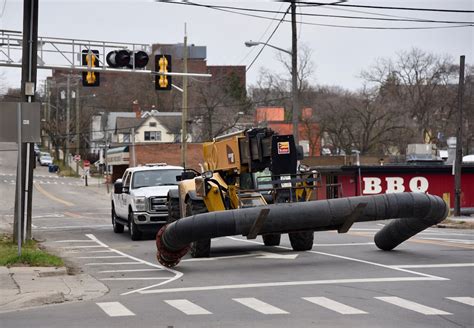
90,58
163,65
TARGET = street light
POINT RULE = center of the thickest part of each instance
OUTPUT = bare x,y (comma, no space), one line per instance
294,87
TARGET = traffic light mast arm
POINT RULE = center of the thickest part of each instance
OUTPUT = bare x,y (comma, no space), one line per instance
104,69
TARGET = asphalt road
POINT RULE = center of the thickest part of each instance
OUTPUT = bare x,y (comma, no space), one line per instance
343,281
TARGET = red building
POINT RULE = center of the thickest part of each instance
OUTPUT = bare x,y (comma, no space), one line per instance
435,179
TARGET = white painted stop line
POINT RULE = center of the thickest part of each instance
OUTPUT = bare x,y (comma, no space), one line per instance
115,309
259,306
333,305
413,306
187,307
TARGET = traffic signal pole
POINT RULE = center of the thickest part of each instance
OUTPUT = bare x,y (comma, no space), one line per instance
294,72
184,115
28,87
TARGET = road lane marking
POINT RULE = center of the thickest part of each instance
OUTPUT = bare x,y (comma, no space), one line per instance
74,215
257,254
137,278
345,244
259,306
187,307
92,246
333,305
112,263
52,197
81,252
99,257
446,265
76,227
74,241
352,259
413,306
136,270
451,240
115,309
177,274
464,300
286,283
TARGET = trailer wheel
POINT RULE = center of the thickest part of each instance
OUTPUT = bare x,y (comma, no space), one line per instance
271,239
173,210
200,248
301,241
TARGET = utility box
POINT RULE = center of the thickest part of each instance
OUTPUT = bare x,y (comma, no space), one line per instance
30,121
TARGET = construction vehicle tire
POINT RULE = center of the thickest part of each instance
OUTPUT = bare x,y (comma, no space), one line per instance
271,239
301,241
200,248
173,210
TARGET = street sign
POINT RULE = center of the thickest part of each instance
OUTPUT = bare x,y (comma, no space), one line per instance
86,164
77,158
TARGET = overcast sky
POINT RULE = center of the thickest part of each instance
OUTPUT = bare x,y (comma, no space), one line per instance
339,54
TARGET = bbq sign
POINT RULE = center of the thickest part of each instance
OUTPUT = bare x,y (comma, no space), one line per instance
373,185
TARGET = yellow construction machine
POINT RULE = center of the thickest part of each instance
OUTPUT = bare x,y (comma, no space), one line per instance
250,168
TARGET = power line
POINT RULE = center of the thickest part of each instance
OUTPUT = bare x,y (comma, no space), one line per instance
343,26
255,10
389,8
268,40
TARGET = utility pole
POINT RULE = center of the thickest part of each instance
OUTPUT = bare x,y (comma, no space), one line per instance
134,157
78,109
184,115
28,87
294,72
68,114
458,163
48,111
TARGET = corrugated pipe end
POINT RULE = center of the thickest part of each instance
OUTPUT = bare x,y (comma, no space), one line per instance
166,257
428,210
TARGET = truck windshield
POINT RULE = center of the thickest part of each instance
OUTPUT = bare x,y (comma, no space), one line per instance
152,178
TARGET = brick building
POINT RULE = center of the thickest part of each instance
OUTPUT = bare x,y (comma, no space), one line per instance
308,129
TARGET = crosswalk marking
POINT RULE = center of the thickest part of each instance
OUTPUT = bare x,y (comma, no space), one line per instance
187,307
115,309
333,305
464,300
409,305
259,306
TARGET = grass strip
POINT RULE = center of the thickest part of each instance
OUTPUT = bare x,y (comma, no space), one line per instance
31,254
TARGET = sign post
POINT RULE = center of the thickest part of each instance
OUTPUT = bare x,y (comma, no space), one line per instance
86,164
18,180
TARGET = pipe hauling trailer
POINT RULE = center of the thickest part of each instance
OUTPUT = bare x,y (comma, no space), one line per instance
252,185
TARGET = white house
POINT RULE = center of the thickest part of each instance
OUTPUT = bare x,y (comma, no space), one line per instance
157,128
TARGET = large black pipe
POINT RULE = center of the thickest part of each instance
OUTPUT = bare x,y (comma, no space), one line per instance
414,211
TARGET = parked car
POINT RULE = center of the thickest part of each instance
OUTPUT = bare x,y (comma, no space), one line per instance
45,159
139,200
37,150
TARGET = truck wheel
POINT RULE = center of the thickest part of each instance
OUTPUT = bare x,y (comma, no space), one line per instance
301,241
200,248
135,234
173,210
271,239
118,228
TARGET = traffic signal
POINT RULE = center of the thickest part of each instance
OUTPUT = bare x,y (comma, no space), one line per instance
90,58
126,58
163,65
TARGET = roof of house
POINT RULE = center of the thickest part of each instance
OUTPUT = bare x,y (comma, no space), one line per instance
171,123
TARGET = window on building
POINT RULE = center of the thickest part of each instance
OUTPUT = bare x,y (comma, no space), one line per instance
126,137
152,124
152,136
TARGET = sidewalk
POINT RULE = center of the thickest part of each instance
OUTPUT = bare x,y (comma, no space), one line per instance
24,287
457,222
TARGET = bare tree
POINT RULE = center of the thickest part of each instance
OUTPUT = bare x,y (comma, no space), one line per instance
423,85
220,106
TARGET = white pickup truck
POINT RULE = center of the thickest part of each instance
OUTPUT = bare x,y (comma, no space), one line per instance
139,198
